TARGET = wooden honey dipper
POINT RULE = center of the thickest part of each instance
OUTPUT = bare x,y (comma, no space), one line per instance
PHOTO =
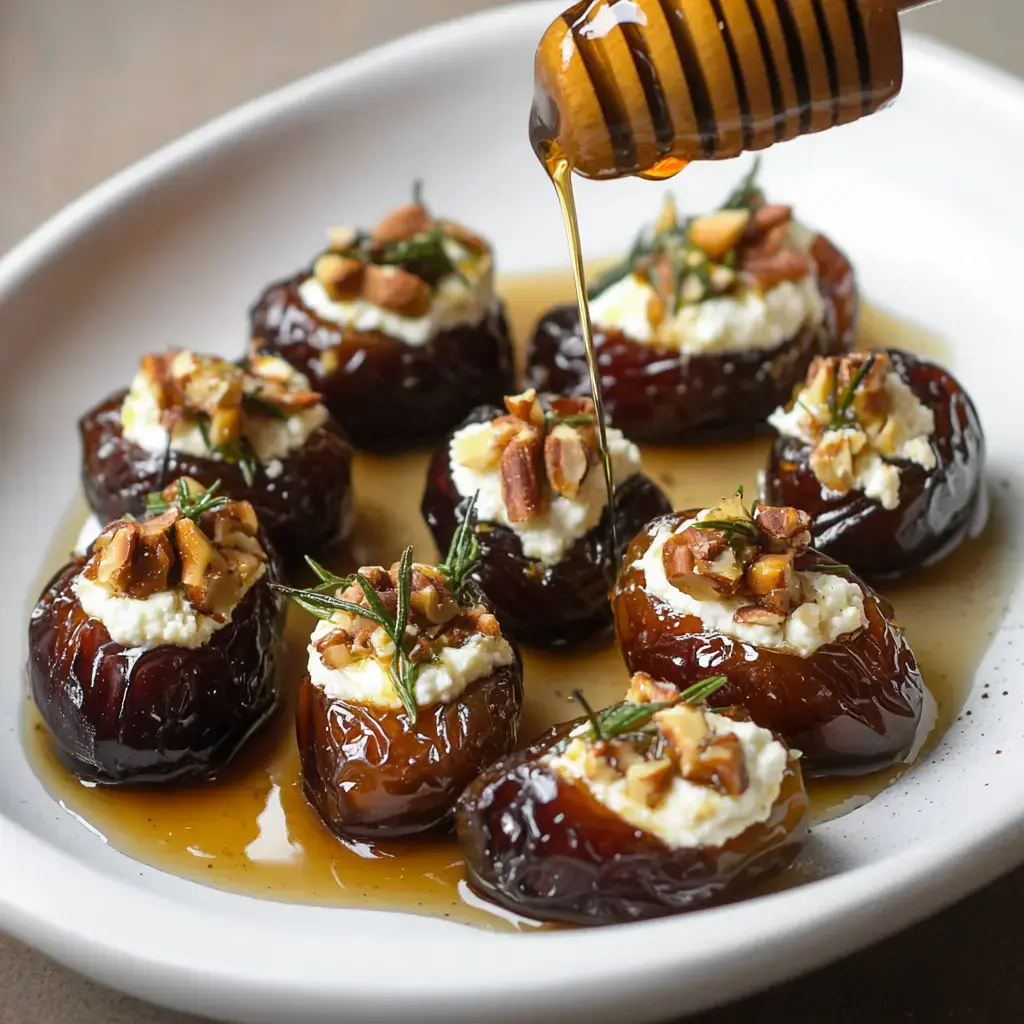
646,86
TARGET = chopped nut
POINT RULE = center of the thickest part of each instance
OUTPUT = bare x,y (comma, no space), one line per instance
115,562
204,571
723,765
340,238
569,405
644,690
487,624
649,782
340,276
656,310
522,466
403,222
565,460
526,407
725,572
720,232
677,557
430,598
338,655
783,523
771,271
769,217
770,572
704,543
685,729
505,428
472,241
397,291
225,425
755,615
622,755
832,459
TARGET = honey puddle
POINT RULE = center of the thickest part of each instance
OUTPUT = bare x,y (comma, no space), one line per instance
251,832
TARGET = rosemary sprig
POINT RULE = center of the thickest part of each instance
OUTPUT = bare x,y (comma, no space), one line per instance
631,715
841,408
739,198
463,552
730,527
190,507
837,568
240,452
258,404
578,419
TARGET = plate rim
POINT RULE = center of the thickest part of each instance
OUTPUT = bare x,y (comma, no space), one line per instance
918,881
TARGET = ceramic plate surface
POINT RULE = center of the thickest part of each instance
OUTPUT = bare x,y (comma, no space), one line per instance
173,250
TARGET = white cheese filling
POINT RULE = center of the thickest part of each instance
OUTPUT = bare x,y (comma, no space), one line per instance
690,815
549,536
440,681
455,302
833,605
906,431
750,320
166,617
271,438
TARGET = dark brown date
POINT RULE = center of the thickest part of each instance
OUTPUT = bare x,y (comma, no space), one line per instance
852,707
121,715
544,606
656,394
938,508
370,774
301,509
546,848
384,393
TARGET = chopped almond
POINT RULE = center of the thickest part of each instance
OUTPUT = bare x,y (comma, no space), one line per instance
565,460
755,615
782,522
526,407
706,544
832,458
677,557
402,223
771,271
719,233
643,689
397,291
648,782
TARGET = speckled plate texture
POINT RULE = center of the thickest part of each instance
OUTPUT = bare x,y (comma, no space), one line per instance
922,197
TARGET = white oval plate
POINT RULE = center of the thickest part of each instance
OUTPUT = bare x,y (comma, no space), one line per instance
174,249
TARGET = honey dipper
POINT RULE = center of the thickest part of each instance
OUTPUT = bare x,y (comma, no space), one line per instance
646,86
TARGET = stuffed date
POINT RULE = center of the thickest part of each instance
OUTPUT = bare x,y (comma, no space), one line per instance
707,325
152,659
545,531
809,650
259,430
391,731
653,807
885,452
399,328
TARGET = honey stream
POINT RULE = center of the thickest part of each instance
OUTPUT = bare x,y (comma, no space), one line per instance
250,831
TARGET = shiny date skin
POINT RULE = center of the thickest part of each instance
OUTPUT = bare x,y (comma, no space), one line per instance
546,848
384,393
544,606
369,774
939,508
165,714
302,508
656,394
853,706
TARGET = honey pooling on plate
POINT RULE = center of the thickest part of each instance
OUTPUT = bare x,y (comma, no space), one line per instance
646,86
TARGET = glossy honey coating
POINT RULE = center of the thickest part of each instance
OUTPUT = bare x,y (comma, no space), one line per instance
938,508
852,706
648,86
545,847
653,392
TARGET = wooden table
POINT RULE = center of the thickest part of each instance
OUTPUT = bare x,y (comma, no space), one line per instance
86,86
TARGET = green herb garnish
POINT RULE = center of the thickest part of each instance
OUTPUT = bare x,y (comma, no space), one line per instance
631,715
578,419
837,568
463,552
841,408
258,404
190,507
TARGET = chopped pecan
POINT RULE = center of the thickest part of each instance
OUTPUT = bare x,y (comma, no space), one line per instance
832,459
648,782
522,468
719,233
205,576
685,729
643,689
340,276
117,547
723,765
769,217
403,222
572,406
484,621
397,291
677,557
565,460
338,654
705,544
526,407
770,271
755,615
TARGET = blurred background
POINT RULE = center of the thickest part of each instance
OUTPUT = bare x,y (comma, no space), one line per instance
88,86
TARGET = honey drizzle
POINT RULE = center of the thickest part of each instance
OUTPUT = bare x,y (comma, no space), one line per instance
251,831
